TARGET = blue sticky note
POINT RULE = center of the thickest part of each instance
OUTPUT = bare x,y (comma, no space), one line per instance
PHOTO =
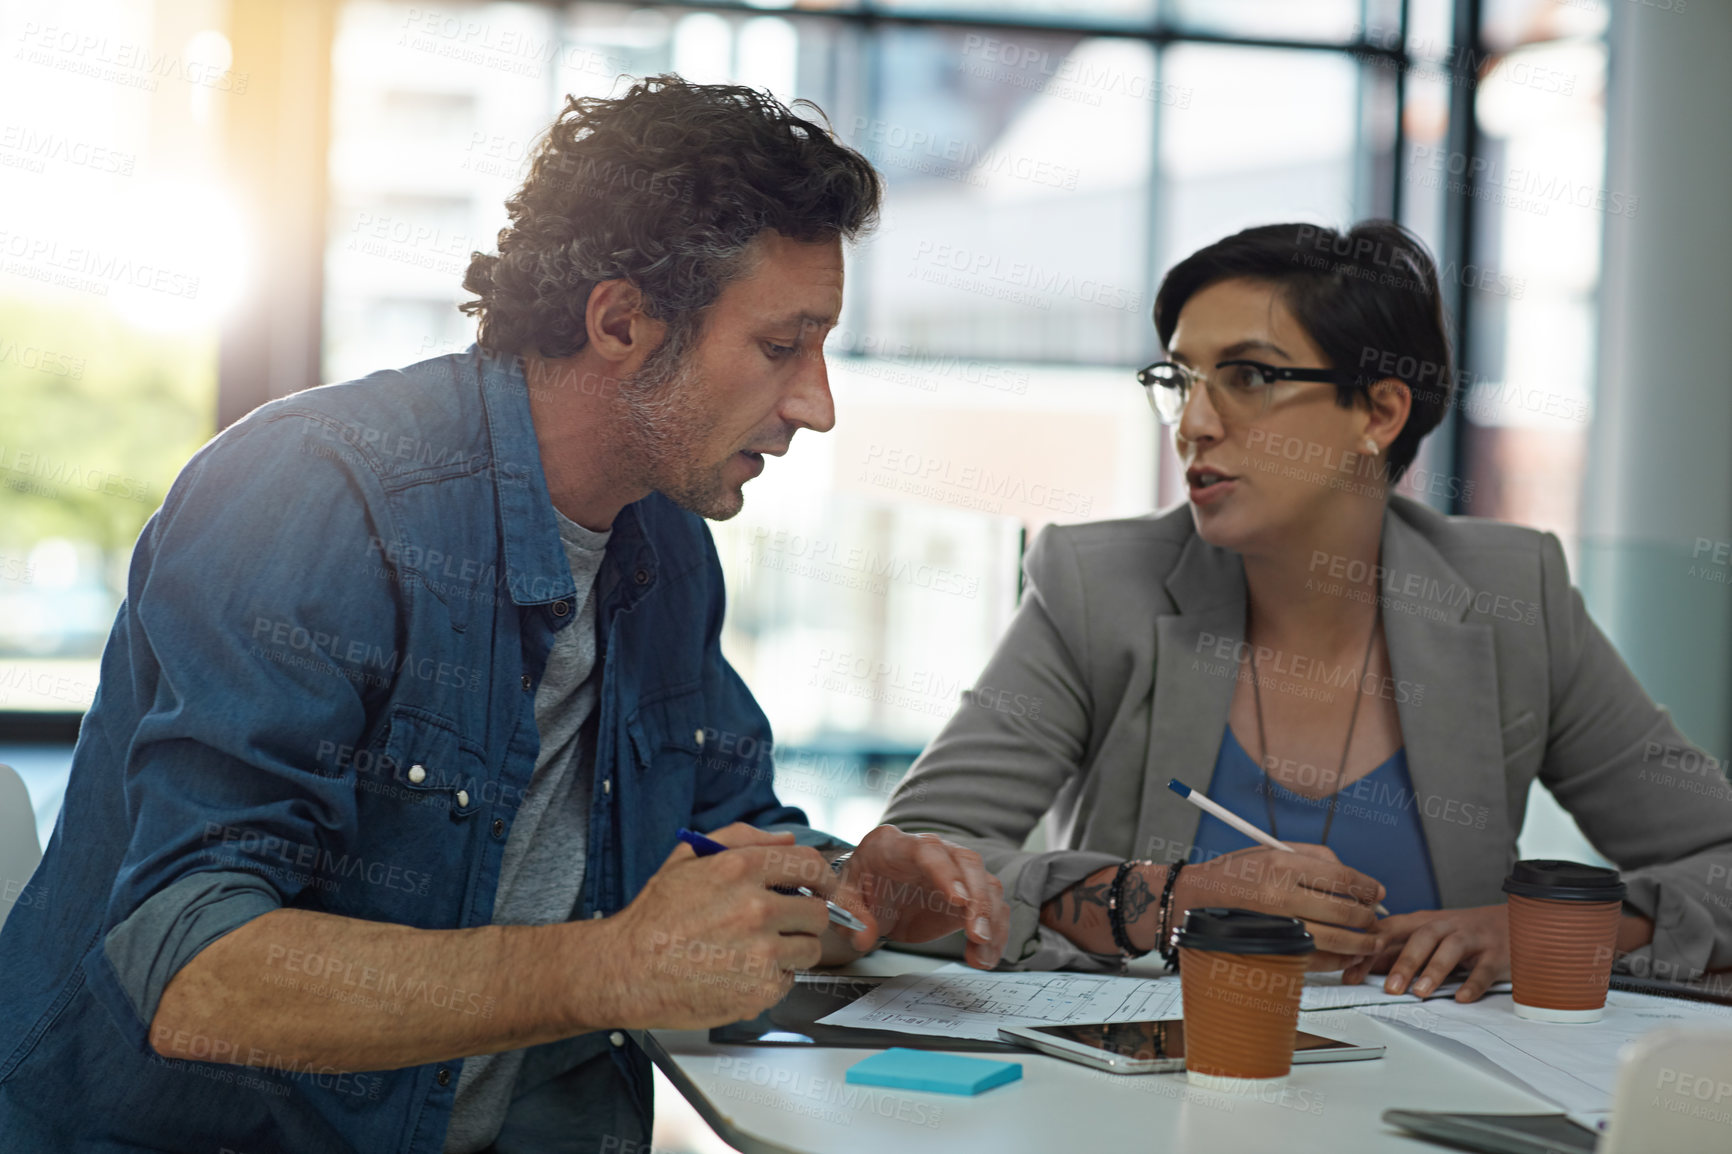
931,1070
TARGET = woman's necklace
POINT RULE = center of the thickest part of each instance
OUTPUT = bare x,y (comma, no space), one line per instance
1263,741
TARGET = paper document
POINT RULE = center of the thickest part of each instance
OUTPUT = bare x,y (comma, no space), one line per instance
976,1004
1575,1065
1328,992
959,1002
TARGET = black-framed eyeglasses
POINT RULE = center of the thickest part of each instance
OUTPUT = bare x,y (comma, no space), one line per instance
1238,387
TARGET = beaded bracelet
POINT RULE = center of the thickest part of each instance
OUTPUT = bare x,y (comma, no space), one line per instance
1116,914
1169,952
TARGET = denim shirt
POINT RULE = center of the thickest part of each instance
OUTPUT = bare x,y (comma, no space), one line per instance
322,682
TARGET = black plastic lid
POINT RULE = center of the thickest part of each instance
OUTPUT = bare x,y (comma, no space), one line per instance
1233,931
1564,881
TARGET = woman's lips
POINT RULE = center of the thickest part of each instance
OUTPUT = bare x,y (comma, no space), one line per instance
1220,487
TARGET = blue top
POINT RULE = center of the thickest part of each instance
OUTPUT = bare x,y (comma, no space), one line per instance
1376,828
319,693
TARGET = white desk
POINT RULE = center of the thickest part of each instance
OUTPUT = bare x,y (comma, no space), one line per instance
793,1099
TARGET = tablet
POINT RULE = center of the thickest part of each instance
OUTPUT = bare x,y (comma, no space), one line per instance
795,1021
1155,1047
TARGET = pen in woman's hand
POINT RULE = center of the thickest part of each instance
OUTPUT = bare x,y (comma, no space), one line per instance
1196,798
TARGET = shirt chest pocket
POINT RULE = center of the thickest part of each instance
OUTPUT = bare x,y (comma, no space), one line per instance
671,748
426,757
418,793
670,734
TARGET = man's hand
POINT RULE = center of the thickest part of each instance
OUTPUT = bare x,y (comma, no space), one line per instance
1335,901
707,941
1431,944
916,887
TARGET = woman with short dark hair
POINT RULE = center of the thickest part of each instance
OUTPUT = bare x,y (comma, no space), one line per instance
1370,681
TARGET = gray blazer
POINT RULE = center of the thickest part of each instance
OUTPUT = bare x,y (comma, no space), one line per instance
1115,675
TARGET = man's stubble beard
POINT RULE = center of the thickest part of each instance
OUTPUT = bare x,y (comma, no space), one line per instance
662,424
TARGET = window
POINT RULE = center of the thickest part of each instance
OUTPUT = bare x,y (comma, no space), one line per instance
1535,264
119,249
1045,164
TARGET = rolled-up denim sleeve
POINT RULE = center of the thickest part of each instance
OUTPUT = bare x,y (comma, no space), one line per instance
174,924
250,595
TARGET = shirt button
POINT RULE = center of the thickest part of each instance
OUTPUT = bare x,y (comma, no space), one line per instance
698,737
607,786
462,799
595,915
417,774
641,576
616,1038
443,1077
561,608
527,683
498,827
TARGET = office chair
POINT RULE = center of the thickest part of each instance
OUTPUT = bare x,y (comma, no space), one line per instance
19,849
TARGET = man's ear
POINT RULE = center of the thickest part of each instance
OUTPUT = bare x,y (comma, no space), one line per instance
1390,402
619,330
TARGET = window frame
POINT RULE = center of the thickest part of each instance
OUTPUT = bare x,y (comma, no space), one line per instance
240,387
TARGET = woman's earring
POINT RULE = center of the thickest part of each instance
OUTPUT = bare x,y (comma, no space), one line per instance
1371,446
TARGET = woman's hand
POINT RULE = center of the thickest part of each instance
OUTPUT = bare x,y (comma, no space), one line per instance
1432,943
1337,902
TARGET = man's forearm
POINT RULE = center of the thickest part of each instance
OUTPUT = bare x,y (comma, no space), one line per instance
1080,912
341,994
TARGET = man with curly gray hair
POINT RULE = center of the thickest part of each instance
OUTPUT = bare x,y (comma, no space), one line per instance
377,834
658,201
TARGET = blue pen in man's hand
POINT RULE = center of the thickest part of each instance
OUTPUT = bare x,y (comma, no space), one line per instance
704,847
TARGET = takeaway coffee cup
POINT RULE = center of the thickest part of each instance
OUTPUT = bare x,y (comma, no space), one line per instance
1563,926
1240,974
